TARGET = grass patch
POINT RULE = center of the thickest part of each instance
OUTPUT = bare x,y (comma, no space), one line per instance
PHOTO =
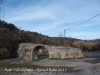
36,67
41,58
8,65
60,59
64,58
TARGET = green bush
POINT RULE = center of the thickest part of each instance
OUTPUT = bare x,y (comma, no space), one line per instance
4,53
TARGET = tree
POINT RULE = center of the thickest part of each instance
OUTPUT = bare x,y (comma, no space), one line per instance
60,35
4,53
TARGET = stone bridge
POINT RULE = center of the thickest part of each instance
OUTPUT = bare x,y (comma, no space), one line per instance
30,51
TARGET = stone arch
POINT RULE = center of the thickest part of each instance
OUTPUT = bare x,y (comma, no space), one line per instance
35,52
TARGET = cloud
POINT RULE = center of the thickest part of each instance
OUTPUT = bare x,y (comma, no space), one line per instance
84,35
51,17
39,13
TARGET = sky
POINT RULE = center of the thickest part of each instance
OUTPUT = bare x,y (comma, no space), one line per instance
51,17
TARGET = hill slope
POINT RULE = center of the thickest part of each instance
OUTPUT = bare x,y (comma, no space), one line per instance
11,37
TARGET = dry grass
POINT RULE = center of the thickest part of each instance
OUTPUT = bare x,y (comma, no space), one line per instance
87,46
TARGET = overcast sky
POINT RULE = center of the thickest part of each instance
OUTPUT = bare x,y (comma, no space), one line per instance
51,17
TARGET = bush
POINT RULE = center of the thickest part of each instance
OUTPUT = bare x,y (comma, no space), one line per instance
4,53
87,46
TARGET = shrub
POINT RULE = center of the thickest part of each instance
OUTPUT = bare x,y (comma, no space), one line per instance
87,46
79,44
4,53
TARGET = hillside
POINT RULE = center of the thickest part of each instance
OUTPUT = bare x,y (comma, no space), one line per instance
11,37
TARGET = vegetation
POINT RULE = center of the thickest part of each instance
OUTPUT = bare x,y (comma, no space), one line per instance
36,67
65,58
87,46
41,58
8,65
11,37
4,53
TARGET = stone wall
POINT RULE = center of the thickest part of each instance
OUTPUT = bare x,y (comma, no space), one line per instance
63,53
25,51
30,51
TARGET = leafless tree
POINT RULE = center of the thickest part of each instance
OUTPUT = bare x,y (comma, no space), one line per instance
60,35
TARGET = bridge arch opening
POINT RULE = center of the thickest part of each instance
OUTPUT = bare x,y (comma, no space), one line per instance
39,52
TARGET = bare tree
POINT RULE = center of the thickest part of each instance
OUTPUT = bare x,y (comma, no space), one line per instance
19,32
60,35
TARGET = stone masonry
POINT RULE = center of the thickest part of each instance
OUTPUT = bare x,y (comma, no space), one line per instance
29,51
63,53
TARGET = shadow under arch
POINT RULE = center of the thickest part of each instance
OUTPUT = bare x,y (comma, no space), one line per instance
39,51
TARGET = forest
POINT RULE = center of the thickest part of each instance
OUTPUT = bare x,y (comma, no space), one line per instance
11,36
